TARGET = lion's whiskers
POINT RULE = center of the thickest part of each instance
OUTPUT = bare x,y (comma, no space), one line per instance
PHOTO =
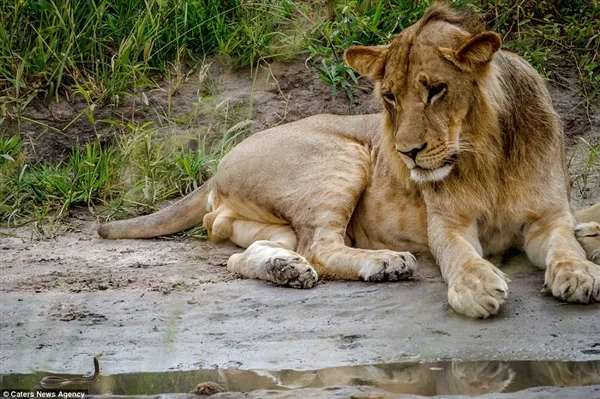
464,146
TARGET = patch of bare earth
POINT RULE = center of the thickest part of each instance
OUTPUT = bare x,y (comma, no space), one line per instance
80,261
275,94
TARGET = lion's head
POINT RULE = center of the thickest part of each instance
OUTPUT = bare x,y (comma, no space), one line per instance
428,78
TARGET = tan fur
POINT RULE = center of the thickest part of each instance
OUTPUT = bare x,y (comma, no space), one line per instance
467,160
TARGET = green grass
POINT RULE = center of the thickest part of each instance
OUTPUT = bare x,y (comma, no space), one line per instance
547,33
104,51
357,22
144,167
586,173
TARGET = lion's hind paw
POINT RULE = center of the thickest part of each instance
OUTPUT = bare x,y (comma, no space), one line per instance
293,271
588,235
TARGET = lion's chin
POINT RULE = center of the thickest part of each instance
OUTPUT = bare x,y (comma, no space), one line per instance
421,175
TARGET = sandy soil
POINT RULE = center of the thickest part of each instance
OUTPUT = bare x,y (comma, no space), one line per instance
277,93
253,325
77,261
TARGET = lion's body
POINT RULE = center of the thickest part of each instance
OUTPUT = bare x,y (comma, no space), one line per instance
334,163
350,197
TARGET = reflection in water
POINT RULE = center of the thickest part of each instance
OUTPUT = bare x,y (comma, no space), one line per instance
468,378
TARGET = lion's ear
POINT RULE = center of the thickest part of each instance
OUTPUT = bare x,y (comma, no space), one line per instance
476,51
368,61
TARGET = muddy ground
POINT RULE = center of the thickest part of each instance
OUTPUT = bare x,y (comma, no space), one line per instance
165,304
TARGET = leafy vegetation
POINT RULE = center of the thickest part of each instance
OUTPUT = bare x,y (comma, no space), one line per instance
144,167
357,22
103,49
106,50
550,33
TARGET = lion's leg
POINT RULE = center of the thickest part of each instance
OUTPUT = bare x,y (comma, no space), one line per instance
590,214
326,250
550,243
476,287
333,260
321,232
269,255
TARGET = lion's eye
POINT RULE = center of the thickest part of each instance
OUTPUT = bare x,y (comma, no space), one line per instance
436,90
390,98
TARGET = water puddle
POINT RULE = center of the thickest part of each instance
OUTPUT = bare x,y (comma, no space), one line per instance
468,378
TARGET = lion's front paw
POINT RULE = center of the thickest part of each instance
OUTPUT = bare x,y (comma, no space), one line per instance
574,281
293,271
388,266
588,235
479,290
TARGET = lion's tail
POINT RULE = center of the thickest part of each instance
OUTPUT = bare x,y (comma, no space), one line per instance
184,214
591,214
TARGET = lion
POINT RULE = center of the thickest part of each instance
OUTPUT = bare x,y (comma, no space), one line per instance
466,160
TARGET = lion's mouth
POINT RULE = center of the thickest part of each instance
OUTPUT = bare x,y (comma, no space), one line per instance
422,175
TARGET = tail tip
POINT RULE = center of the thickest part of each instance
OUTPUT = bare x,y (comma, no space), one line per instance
103,231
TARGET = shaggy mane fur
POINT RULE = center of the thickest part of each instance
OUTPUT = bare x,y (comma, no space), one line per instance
463,18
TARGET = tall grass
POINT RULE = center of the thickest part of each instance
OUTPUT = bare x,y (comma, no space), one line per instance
565,30
144,167
357,22
547,33
104,48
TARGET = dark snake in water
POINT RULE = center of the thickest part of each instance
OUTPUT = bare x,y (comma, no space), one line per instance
55,382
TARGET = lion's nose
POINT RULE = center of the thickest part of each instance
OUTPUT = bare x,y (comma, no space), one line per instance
412,152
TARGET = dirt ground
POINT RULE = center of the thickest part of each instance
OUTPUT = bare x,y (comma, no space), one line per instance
77,261
225,327
274,94
167,304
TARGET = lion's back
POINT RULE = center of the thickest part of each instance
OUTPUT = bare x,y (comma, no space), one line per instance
299,163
